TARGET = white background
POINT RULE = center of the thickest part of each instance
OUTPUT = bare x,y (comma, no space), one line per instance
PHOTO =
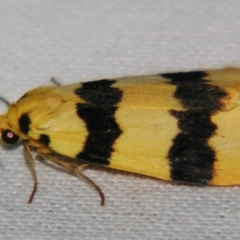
82,40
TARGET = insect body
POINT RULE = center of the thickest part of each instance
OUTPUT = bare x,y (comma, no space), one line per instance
181,127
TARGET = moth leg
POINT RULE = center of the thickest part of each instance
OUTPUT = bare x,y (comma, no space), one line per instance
76,170
31,165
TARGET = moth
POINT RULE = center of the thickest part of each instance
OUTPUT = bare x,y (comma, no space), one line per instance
181,127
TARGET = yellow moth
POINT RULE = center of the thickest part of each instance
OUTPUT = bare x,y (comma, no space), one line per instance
181,127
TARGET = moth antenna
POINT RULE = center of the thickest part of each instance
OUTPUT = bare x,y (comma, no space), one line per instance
5,101
54,81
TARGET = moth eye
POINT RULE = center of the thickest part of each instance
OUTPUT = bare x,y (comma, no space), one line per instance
9,137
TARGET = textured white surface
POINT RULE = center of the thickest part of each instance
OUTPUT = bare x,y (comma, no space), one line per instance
76,40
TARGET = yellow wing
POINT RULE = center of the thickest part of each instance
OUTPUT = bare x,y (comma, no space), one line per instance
53,111
177,126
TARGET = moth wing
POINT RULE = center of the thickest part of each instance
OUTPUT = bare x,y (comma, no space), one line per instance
142,111
226,142
142,115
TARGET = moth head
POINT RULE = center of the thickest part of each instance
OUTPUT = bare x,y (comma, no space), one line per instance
7,135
